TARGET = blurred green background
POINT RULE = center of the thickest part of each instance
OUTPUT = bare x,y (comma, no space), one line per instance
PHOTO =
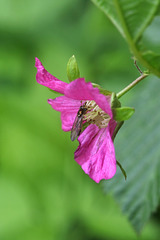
44,194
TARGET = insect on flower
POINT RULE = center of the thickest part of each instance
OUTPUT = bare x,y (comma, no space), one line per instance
95,153
77,125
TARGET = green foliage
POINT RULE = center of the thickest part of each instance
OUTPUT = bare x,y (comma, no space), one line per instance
138,150
131,18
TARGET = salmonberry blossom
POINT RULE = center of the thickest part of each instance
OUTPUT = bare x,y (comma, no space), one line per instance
95,153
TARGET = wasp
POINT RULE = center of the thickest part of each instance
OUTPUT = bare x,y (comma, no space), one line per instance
77,125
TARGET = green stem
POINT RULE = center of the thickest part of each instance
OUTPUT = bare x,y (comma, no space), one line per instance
131,85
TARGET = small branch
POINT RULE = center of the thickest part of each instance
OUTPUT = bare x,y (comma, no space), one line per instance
135,63
131,85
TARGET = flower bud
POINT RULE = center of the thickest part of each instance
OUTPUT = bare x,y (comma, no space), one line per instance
72,69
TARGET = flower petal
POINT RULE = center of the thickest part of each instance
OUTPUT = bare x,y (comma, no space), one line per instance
68,108
81,90
112,125
45,78
96,153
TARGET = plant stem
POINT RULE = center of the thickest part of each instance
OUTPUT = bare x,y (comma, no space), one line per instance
131,85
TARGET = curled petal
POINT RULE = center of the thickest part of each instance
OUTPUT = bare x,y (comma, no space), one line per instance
96,153
68,108
45,78
81,90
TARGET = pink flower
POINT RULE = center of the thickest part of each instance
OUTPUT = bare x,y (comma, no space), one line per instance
95,152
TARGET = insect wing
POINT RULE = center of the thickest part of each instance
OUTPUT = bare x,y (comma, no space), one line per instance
76,128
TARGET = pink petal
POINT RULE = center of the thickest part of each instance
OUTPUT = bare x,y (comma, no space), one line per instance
45,78
112,125
96,153
81,90
68,108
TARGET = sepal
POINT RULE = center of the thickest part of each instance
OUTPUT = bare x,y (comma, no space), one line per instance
122,169
115,103
101,90
122,113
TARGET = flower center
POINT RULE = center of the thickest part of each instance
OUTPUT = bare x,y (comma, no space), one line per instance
95,115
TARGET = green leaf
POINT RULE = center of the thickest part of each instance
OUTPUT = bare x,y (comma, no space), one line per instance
131,18
123,113
72,69
153,59
137,149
